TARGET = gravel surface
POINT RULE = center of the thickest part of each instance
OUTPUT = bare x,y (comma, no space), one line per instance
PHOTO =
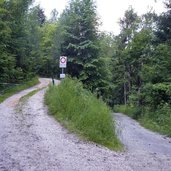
138,139
31,140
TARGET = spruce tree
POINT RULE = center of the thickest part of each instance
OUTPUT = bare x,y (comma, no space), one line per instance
81,41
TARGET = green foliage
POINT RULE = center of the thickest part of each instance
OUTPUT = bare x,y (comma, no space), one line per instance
159,121
45,43
156,95
129,110
80,111
7,60
18,44
141,63
104,82
163,32
48,65
132,68
81,44
14,66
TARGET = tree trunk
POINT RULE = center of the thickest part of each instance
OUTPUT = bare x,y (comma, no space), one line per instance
125,91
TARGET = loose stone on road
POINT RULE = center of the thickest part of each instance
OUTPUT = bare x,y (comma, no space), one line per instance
32,140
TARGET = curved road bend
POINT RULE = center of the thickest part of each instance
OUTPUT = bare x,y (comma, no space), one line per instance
140,140
31,140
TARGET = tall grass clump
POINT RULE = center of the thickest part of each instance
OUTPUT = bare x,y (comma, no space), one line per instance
81,112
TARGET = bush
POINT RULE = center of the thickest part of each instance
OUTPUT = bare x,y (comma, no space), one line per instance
159,120
131,111
156,95
80,111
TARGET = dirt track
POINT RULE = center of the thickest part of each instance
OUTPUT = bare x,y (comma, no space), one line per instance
31,140
138,139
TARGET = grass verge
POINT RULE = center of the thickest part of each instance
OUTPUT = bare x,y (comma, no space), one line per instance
157,121
81,112
24,99
30,94
18,88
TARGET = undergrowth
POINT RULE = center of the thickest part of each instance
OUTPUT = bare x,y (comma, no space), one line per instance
158,120
81,112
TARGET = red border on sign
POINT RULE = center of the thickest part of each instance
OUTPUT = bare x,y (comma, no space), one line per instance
61,59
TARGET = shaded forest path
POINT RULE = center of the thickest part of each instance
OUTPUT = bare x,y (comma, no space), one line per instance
31,140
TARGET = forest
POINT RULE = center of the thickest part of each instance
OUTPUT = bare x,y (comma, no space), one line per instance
130,71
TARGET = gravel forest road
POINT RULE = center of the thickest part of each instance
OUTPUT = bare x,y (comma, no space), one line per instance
138,139
31,140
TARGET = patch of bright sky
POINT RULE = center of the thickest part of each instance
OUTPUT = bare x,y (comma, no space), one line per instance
109,11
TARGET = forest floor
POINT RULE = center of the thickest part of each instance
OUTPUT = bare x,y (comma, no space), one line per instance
32,140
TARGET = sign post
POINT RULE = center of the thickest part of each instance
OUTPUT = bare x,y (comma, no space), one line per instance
62,64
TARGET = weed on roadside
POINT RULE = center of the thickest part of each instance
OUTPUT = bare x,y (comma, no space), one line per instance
80,111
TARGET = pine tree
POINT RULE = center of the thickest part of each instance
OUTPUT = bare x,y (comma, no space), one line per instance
81,41
7,60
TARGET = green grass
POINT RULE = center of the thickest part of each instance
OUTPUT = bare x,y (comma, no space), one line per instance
129,110
30,94
157,121
81,112
153,125
9,92
24,99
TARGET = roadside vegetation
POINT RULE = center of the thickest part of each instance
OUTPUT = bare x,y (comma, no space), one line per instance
80,111
132,68
10,91
158,120
23,98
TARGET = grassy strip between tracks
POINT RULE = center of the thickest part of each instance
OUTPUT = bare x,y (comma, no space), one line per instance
81,112
24,99
9,92
31,94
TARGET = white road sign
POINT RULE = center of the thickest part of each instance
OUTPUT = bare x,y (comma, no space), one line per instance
62,76
63,62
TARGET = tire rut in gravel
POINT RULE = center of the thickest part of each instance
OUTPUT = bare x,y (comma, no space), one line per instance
30,139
